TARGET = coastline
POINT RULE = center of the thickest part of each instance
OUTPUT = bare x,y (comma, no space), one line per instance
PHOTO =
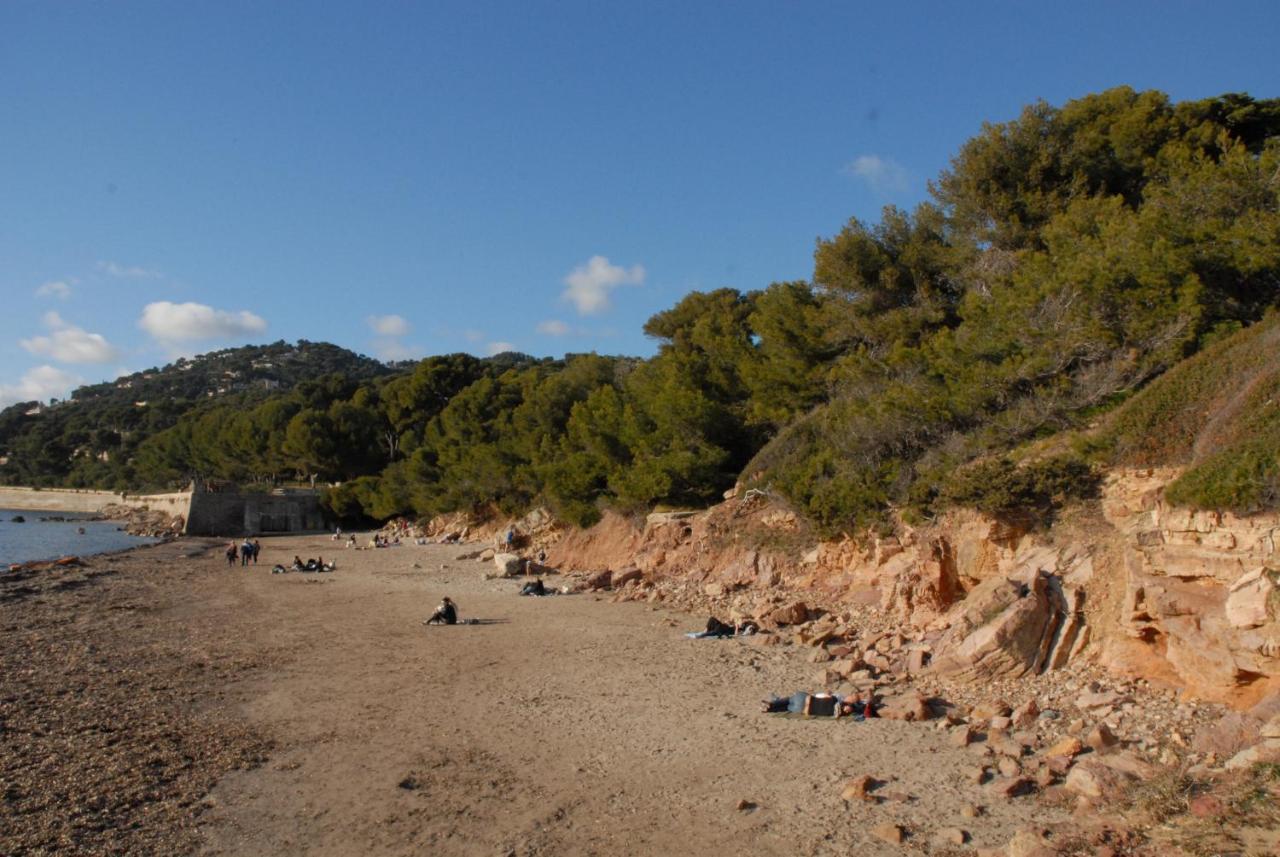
238,712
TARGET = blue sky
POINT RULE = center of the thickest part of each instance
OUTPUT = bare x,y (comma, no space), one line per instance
411,179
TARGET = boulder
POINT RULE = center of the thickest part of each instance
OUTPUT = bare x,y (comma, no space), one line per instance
1251,598
858,788
794,613
622,578
508,564
909,706
1069,747
1004,745
598,580
1095,780
1003,629
1101,738
889,832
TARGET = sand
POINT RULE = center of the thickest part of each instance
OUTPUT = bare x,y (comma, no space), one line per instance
317,715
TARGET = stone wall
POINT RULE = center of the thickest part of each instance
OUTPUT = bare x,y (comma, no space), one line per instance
235,513
83,501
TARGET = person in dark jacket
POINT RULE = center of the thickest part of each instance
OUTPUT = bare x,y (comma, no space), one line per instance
446,613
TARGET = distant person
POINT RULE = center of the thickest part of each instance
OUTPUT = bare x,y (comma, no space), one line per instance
231,553
246,552
445,614
257,549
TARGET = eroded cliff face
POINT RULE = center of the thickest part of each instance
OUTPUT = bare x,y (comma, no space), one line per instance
1200,592
1189,599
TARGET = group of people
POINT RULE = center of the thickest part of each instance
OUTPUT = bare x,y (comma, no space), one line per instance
317,564
246,552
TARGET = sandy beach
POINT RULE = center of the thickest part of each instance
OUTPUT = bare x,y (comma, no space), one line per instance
158,701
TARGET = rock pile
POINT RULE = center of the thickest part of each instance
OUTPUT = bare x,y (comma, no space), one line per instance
145,522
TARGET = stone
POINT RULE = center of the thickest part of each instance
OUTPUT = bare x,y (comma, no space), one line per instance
858,788
745,805
1093,780
1010,787
1000,722
713,590
889,832
975,775
1059,765
1002,629
1206,806
1100,699
1025,715
917,659
598,580
990,708
1044,776
791,614
1029,843
1250,599
1003,745
622,578
950,836
1271,729
962,736
1008,767
508,564
1101,738
1069,747
909,706
971,811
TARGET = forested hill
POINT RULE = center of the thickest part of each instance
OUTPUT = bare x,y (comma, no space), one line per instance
88,440
965,352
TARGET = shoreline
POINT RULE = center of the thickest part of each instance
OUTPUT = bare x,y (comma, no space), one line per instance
316,715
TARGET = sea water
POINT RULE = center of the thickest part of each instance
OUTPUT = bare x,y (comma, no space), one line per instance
39,537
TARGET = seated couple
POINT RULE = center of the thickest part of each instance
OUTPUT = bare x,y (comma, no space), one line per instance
820,705
313,564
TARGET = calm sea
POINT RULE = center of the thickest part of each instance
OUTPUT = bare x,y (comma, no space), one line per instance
43,539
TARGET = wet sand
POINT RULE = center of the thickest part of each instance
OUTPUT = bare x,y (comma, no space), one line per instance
329,721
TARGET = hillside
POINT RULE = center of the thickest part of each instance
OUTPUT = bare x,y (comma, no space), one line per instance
87,440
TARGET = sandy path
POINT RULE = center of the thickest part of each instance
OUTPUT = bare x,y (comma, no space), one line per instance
566,726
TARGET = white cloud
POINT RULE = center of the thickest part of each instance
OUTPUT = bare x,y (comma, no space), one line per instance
498,347
39,384
115,269
589,285
60,289
388,325
70,344
394,349
174,324
882,175
553,327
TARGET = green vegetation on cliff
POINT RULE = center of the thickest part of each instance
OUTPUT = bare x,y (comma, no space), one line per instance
1065,260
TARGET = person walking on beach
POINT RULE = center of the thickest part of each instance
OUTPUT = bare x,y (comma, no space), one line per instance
246,552
257,549
231,552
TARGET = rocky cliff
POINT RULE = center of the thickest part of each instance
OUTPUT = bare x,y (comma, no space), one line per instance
1130,584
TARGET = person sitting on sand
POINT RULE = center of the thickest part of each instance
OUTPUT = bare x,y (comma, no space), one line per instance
535,587
446,613
298,564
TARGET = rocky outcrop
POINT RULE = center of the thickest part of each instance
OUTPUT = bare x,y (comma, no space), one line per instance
1190,598
1200,590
